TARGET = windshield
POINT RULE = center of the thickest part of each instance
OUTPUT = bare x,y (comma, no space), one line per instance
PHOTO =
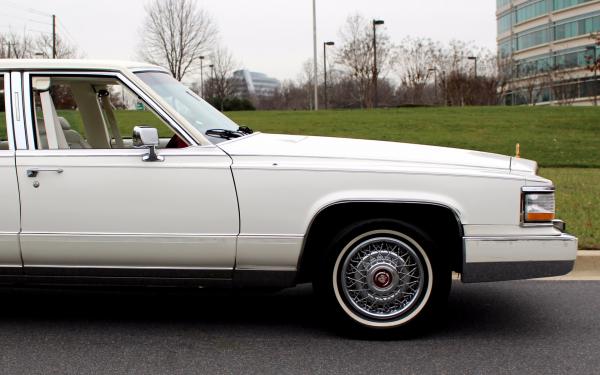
194,109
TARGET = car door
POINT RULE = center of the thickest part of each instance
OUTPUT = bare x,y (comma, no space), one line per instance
90,209
10,257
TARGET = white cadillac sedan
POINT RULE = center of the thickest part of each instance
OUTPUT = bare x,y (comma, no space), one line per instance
115,173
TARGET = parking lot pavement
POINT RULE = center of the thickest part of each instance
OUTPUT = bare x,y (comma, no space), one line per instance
513,327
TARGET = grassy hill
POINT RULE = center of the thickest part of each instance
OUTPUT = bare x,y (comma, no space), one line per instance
554,136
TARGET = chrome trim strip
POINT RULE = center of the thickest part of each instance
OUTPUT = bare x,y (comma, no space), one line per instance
399,168
123,152
132,268
269,235
126,82
149,69
144,235
538,189
18,122
10,132
558,237
266,268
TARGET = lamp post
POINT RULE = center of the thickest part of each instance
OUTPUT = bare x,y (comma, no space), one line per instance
325,71
435,91
315,61
474,58
375,73
595,68
202,76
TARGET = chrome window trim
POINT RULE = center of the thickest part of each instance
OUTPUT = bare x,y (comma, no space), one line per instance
149,69
530,190
10,135
18,122
126,81
68,153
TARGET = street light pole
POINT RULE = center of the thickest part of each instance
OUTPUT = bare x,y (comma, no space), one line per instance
53,36
595,67
474,58
202,77
325,70
375,73
315,61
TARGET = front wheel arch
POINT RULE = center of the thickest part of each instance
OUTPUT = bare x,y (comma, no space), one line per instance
440,222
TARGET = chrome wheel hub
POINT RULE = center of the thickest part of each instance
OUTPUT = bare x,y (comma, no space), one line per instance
382,277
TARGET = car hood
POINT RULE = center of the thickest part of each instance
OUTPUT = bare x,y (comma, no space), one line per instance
279,145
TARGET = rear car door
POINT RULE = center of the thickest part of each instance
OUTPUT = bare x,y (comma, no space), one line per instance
93,207
10,257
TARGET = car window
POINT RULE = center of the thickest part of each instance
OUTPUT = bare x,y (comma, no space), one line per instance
3,135
91,113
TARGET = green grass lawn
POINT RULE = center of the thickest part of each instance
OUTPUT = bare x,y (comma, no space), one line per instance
578,202
554,136
2,126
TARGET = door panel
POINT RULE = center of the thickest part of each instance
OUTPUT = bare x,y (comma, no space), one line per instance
9,220
10,256
108,208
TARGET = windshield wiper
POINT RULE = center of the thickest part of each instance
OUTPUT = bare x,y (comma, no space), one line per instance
229,134
224,133
246,130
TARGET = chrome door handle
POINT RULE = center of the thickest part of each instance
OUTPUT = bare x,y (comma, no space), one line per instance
33,172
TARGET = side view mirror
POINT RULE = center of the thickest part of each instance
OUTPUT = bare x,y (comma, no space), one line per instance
147,137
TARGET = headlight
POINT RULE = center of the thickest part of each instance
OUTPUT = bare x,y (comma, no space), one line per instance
537,204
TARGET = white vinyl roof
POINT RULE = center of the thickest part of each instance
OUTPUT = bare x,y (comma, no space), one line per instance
36,64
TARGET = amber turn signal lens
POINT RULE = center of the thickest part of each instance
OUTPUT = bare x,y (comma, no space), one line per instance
537,216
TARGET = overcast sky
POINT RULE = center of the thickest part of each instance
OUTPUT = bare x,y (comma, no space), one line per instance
270,36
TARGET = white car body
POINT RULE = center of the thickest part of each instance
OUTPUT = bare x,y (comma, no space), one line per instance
241,212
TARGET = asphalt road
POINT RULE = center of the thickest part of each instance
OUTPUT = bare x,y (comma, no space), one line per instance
516,327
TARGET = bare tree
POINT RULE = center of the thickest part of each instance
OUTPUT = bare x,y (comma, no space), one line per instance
416,56
221,82
64,50
564,89
505,68
356,55
16,46
175,34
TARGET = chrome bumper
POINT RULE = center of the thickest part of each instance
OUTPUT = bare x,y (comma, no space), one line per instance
514,258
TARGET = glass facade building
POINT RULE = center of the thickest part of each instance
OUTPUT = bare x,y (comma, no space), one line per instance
552,41
249,84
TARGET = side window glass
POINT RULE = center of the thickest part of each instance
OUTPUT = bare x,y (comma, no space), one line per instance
91,113
3,135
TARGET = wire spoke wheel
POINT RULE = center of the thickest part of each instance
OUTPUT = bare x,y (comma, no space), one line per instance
382,278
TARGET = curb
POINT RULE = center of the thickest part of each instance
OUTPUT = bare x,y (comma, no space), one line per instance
587,267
